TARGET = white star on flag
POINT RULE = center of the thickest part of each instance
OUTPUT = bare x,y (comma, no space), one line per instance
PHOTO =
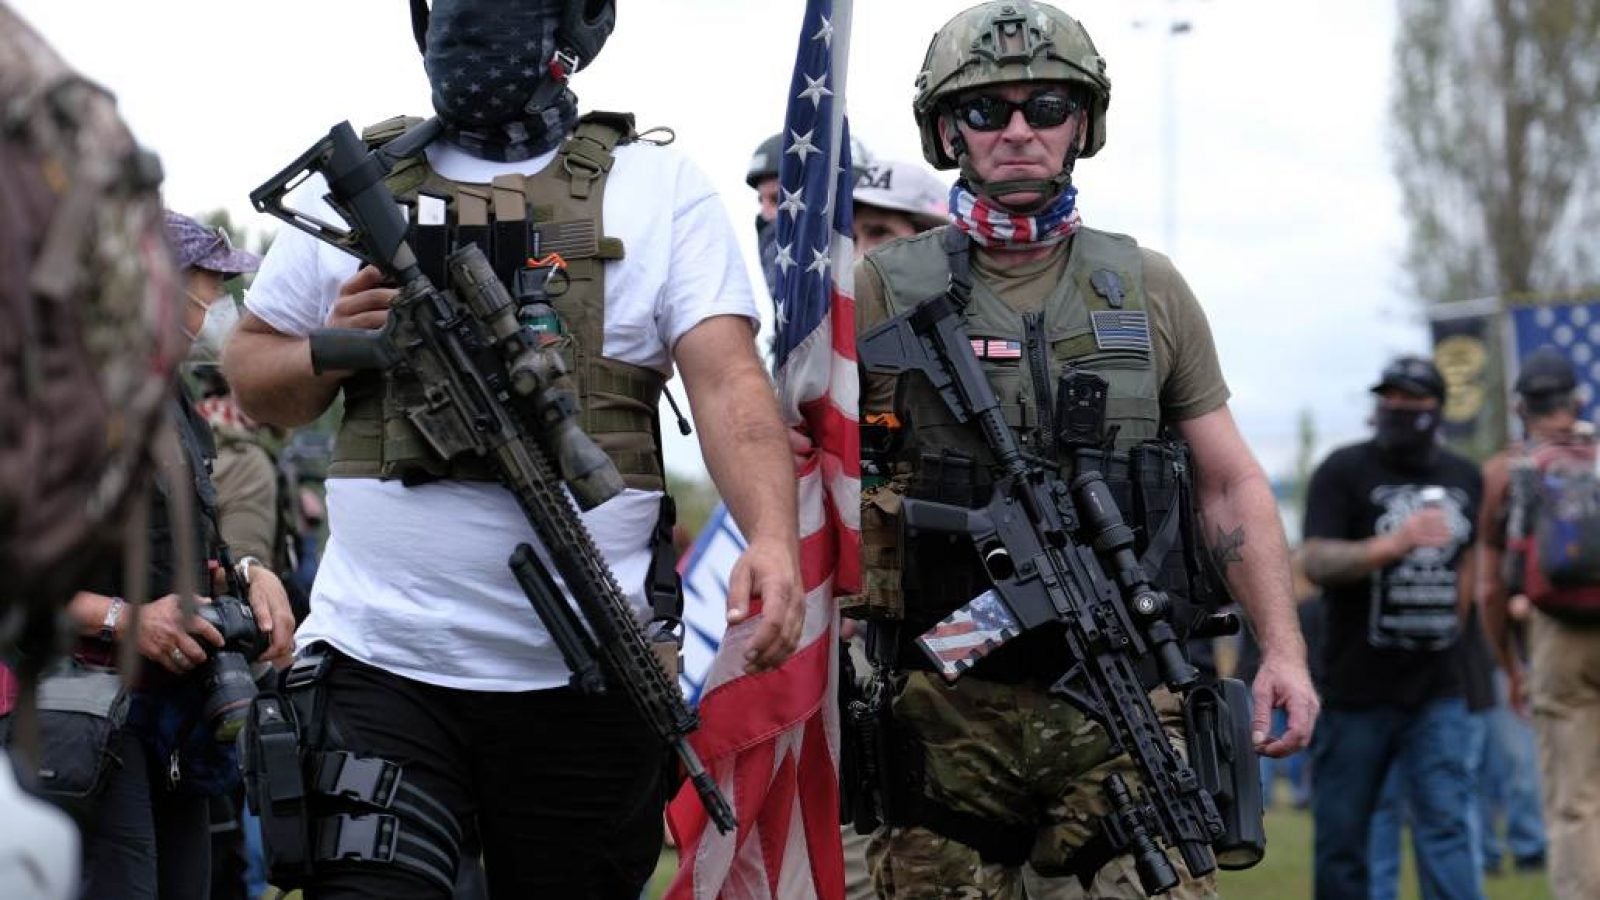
819,262
802,146
791,202
785,258
815,90
825,33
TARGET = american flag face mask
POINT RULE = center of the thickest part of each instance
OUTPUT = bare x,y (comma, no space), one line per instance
990,226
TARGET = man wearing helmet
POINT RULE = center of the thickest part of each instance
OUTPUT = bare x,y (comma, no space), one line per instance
434,671
1013,94
762,176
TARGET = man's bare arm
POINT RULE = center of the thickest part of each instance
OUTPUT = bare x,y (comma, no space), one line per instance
1494,602
1466,581
746,449
1237,502
270,373
1493,595
1330,562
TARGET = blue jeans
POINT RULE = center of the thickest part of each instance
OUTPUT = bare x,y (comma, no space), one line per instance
1383,847
255,873
1510,786
1352,752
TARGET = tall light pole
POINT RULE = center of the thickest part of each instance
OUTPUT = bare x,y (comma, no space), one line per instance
1173,26
1169,137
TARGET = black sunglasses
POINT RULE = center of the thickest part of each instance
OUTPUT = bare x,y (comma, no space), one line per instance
1045,109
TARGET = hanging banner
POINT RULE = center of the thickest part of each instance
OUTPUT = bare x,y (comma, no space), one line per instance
1463,349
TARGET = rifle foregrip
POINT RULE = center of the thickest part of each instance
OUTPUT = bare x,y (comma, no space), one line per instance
349,350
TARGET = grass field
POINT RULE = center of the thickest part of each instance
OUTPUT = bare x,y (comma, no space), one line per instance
1285,874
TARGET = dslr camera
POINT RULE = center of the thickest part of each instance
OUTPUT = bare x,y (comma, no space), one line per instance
229,688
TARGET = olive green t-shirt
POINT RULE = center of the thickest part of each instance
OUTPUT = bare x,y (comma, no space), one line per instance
1186,358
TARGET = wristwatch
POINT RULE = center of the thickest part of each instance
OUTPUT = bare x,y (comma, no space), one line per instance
242,568
108,626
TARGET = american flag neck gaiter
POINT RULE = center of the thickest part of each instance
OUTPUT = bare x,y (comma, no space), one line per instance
991,226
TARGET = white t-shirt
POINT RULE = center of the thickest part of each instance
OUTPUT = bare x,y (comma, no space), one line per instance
414,579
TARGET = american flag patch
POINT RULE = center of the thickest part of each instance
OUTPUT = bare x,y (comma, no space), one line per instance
989,348
1116,329
969,634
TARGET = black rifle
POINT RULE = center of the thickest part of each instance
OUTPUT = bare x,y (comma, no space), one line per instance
493,390
1046,546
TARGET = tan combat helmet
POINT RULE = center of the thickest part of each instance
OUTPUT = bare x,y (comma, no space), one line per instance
1005,42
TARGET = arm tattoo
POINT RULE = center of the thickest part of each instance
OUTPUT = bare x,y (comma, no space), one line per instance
1330,562
1226,549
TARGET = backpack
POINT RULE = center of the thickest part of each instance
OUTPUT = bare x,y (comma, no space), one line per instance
1554,528
88,321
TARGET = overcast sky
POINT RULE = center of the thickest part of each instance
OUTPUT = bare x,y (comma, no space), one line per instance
1288,219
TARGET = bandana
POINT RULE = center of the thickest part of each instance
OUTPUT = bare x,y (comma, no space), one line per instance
990,226
488,62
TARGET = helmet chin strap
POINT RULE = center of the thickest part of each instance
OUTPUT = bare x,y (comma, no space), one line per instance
1046,188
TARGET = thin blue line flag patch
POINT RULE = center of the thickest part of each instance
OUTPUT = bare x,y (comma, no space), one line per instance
1117,329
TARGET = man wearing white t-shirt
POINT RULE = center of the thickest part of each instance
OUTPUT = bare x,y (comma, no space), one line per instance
441,666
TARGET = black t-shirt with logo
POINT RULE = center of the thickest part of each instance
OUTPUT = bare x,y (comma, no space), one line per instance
1393,638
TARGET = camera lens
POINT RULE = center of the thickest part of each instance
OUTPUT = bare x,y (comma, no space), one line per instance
229,690
228,685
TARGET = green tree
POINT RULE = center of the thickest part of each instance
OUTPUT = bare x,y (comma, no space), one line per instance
1496,114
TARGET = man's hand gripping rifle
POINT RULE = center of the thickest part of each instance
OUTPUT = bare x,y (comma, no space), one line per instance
1038,539
493,390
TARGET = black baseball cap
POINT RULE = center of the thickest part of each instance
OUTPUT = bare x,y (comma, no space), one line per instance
1546,371
1414,375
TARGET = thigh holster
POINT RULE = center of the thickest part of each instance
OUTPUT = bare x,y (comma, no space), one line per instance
321,805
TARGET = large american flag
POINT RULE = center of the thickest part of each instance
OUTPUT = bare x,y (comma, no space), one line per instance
772,740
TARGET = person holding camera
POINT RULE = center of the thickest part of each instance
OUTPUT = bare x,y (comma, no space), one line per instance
146,825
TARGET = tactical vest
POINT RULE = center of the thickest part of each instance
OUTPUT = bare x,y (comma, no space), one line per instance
515,218
1097,320
916,269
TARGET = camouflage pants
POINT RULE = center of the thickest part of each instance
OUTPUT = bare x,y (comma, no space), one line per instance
1011,754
